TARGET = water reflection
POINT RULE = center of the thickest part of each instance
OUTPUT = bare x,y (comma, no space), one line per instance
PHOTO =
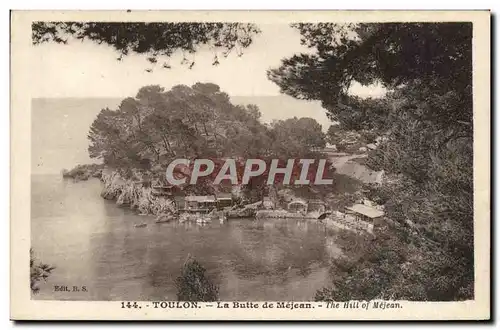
94,243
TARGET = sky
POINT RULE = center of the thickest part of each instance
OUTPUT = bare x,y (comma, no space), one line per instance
85,69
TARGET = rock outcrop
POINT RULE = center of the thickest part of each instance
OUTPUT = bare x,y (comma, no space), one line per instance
83,172
136,195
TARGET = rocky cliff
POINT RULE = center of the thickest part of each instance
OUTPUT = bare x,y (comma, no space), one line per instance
134,194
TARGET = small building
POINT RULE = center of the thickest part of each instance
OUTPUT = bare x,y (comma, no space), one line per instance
268,203
199,203
297,206
316,206
330,147
162,190
365,213
179,202
224,200
159,187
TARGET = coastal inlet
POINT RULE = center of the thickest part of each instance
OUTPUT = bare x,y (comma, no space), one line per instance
93,242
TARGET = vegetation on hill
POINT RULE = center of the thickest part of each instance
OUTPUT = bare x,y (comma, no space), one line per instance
147,132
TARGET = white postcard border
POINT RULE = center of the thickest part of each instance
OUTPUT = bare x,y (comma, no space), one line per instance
23,308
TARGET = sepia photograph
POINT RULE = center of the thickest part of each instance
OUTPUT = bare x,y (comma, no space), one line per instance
289,165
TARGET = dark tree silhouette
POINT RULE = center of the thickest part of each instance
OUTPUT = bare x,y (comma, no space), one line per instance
194,285
38,272
425,126
156,40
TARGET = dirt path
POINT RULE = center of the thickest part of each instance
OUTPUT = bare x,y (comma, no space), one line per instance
344,165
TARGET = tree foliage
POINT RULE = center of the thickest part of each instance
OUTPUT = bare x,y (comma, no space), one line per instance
298,133
434,56
38,272
156,40
194,285
391,53
424,123
150,130
393,268
184,122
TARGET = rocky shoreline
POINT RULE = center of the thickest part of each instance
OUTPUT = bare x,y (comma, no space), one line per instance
136,191
125,192
83,172
135,195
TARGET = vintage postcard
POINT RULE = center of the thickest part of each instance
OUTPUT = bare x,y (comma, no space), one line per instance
171,165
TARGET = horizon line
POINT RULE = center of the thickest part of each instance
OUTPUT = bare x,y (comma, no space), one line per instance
123,97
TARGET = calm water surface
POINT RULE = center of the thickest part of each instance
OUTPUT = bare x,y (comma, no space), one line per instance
93,242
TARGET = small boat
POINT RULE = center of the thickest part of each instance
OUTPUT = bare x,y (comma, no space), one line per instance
142,225
203,220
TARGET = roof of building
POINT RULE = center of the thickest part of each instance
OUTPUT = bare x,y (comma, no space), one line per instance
200,199
179,199
316,201
366,210
222,196
162,186
297,202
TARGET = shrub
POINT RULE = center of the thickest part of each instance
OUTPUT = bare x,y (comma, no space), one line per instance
38,271
194,285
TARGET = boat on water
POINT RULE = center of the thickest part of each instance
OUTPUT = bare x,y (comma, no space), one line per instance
141,225
184,217
197,217
203,220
